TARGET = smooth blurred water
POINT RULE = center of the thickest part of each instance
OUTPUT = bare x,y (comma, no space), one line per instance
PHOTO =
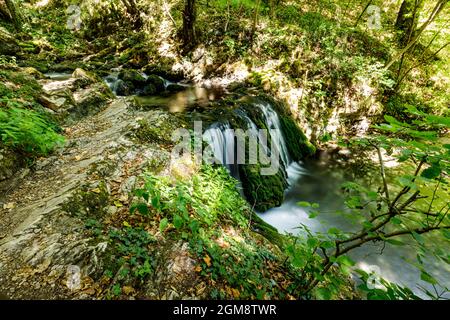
314,183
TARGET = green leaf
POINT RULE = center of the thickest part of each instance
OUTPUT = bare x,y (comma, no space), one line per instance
395,242
446,233
163,224
313,213
177,221
432,172
312,242
143,209
334,231
323,293
419,238
304,204
346,261
428,278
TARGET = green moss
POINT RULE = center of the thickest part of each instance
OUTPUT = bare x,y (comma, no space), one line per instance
297,143
262,191
157,129
88,202
132,76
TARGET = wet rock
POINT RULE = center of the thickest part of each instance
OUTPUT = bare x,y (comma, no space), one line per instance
174,87
149,90
156,81
124,88
132,76
164,70
9,164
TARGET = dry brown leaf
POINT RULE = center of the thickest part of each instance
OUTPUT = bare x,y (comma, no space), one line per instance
128,290
207,260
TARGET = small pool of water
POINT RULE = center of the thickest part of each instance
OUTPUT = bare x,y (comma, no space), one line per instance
312,182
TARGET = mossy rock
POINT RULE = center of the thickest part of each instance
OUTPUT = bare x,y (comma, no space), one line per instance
174,88
157,128
90,201
157,82
262,191
164,70
124,88
66,66
149,90
133,77
10,162
297,143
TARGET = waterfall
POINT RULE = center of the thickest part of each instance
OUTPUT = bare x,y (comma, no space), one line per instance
220,138
273,122
113,82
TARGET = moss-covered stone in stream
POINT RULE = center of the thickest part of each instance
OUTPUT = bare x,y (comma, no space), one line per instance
262,191
297,143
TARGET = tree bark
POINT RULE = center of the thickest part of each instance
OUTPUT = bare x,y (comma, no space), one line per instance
407,19
16,16
133,12
189,15
436,10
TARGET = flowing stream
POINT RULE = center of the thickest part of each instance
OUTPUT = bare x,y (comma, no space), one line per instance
314,182
311,181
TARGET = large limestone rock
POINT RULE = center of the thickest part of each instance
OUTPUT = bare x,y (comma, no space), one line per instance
9,45
84,93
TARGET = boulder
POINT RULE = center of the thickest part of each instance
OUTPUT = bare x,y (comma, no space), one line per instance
123,88
175,87
164,71
9,45
132,76
157,82
9,164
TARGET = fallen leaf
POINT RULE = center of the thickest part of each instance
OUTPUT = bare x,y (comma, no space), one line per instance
9,205
118,204
128,290
235,292
198,269
96,190
207,260
126,224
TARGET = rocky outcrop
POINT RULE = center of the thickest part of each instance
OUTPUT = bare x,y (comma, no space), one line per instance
84,93
41,237
9,45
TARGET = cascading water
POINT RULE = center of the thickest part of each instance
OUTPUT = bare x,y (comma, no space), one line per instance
273,122
113,82
220,138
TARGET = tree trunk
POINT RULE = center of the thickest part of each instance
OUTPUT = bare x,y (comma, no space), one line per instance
189,39
407,19
133,12
255,22
435,12
16,16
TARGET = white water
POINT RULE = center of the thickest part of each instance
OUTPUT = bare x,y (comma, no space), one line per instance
273,122
220,138
314,184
